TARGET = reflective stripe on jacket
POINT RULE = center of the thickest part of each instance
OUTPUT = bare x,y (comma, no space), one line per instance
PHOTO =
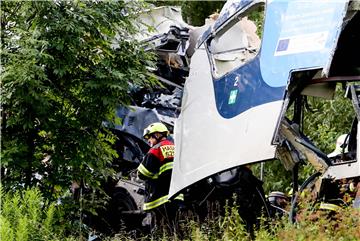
160,201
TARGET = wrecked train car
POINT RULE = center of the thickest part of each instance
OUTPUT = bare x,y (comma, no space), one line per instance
235,97
237,93
173,41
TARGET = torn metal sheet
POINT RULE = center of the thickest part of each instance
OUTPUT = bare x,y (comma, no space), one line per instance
158,21
229,118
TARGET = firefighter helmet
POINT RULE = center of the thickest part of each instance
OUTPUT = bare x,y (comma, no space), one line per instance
277,198
155,127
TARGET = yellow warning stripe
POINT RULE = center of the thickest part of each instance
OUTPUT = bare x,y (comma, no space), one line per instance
156,203
180,197
165,167
143,170
160,201
330,206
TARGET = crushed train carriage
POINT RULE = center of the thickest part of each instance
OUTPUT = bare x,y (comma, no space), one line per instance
234,105
231,110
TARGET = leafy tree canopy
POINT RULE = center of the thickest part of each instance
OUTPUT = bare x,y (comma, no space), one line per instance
325,120
66,66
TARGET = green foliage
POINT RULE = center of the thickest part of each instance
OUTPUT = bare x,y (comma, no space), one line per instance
328,119
195,12
275,176
232,225
320,225
24,216
314,225
66,66
258,17
159,3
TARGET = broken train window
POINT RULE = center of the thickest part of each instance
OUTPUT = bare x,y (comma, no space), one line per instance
237,41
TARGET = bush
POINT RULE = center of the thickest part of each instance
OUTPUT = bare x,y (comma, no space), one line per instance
25,216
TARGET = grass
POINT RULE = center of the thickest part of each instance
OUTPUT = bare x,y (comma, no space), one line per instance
24,216
310,226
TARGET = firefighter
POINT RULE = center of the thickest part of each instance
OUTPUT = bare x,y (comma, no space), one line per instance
155,170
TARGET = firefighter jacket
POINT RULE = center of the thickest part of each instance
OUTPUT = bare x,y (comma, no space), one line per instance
156,170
